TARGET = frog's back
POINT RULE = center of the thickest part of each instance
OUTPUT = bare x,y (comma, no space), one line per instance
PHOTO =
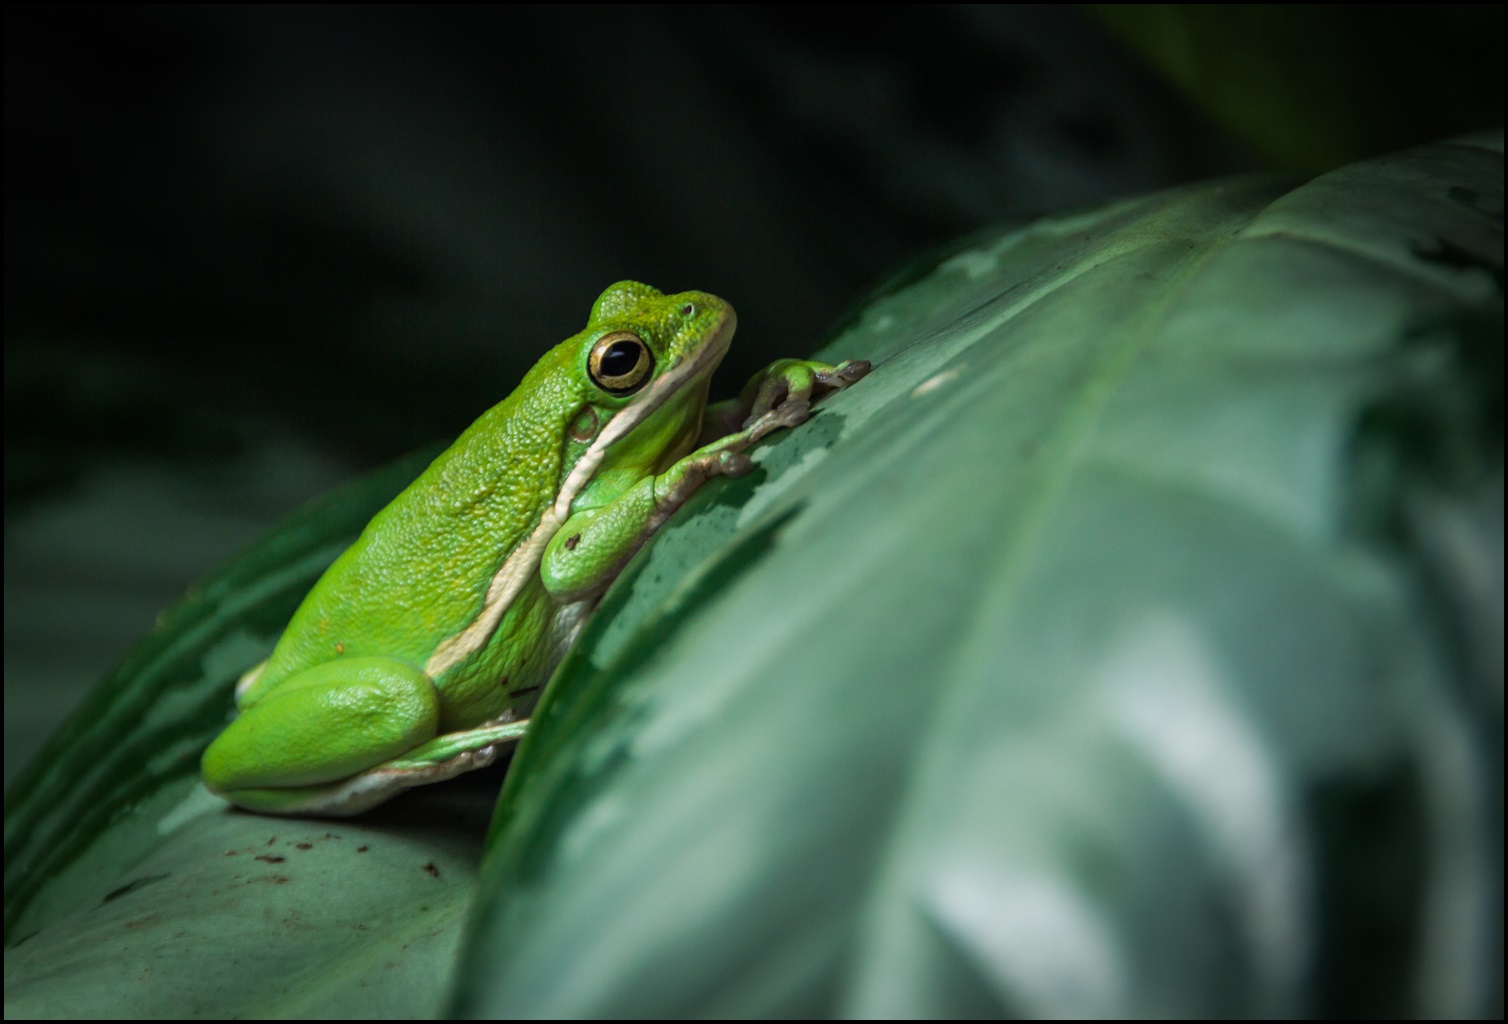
420,570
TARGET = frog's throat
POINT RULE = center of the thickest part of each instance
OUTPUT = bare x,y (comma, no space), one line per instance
520,567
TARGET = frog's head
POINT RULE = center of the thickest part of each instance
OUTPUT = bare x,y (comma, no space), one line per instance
643,364
638,337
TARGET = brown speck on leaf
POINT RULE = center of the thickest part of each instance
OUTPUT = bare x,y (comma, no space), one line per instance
363,848
272,840
303,846
572,541
271,858
431,870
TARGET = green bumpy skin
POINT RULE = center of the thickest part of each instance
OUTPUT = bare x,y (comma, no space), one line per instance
421,651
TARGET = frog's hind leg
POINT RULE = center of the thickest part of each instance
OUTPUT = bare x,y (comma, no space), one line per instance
321,725
344,736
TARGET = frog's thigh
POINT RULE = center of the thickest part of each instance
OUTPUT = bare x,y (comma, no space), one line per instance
325,723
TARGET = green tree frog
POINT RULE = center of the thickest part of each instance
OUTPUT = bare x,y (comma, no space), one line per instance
421,651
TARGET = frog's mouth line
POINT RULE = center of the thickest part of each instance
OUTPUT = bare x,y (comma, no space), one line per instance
522,564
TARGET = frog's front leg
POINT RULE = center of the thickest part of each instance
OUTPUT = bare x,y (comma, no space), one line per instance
341,737
787,387
593,545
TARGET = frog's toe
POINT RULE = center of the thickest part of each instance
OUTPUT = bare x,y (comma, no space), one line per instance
787,414
734,464
845,373
771,391
786,381
792,411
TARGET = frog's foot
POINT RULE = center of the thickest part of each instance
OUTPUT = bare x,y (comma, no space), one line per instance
450,753
438,760
789,413
789,386
793,382
784,399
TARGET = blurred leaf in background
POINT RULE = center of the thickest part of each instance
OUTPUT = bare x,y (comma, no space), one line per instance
1308,87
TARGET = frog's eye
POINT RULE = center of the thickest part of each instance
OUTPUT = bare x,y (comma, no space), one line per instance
688,310
620,363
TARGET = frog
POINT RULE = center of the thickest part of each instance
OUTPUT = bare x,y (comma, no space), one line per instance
421,651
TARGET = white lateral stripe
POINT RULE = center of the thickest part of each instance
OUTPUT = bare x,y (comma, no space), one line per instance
518,568
505,586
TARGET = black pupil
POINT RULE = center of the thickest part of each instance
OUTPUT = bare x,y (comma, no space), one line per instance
620,358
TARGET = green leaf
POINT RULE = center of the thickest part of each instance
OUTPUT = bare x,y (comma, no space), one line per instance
1129,642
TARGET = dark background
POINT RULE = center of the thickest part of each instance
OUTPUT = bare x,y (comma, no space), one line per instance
369,222
250,251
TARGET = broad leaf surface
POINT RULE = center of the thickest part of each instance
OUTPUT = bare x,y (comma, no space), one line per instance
1125,644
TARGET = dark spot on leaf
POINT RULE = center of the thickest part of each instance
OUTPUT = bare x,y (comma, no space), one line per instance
1472,200
271,858
572,541
303,846
431,870
131,886
1438,424
363,848
1449,254
1467,197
